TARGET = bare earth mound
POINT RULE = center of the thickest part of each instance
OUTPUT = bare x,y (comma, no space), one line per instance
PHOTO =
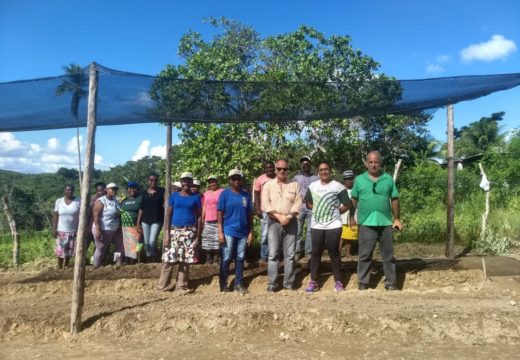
445,309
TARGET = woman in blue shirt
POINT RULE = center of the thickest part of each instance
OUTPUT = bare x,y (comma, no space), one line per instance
181,242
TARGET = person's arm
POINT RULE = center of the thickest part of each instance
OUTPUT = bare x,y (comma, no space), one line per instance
55,219
352,219
345,202
250,235
166,237
308,199
203,215
295,208
139,218
396,213
199,226
220,221
97,212
258,203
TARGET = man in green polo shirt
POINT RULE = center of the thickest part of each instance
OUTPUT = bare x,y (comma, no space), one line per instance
376,198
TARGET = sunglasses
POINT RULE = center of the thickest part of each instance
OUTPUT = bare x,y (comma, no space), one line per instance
282,169
374,188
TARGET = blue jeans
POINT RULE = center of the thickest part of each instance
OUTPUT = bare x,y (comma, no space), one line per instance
304,219
233,249
264,246
150,233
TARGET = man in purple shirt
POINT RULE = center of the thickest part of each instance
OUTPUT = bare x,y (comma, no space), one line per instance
304,179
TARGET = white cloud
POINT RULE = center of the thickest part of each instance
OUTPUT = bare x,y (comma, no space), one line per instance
158,151
20,156
434,69
498,47
72,145
144,150
53,143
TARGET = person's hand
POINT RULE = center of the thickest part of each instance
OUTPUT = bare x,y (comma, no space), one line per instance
221,238
166,240
353,224
398,225
250,239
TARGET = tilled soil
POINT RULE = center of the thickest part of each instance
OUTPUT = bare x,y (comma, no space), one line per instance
444,309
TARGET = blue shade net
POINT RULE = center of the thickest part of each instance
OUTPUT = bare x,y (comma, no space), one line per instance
128,98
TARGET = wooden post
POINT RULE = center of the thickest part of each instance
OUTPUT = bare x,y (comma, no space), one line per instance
78,284
167,176
396,169
79,156
14,230
450,240
486,210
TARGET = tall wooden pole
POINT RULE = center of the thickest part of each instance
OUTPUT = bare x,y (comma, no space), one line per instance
78,285
450,241
167,176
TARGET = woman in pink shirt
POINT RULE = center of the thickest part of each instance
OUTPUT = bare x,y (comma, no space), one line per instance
210,242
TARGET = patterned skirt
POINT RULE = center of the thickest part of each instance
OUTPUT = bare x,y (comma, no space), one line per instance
65,244
210,236
182,245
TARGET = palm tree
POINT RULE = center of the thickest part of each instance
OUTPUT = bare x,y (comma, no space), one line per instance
75,84
484,133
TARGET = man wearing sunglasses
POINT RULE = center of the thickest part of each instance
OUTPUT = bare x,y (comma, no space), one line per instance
376,198
282,202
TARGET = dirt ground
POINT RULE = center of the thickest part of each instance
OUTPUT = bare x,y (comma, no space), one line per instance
446,308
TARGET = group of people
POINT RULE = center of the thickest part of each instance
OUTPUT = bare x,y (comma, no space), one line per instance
299,216
131,224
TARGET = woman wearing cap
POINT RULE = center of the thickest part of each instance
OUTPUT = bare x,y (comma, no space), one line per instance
152,207
210,242
180,243
130,218
106,226
235,229
65,225
328,199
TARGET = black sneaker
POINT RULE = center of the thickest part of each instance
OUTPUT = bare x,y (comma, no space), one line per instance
241,289
290,287
362,287
224,289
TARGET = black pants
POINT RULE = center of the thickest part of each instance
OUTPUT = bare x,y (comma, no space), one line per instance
368,237
321,238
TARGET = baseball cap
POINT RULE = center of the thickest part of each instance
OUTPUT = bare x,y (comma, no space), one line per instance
186,174
196,182
305,158
214,177
348,174
235,172
177,183
132,184
113,186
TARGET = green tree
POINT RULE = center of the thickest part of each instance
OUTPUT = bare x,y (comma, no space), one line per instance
479,136
298,75
75,82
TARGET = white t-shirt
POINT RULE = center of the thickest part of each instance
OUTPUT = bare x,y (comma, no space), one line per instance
326,202
68,214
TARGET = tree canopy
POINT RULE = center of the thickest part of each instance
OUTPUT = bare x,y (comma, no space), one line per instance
294,69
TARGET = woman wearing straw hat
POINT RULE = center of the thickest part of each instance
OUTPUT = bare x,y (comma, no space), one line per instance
180,243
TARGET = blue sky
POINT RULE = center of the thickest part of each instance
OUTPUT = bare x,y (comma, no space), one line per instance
411,39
